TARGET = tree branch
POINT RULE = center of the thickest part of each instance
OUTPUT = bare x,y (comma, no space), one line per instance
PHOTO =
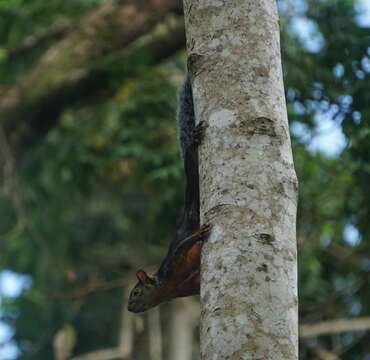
32,42
105,354
11,187
321,353
334,327
90,288
76,67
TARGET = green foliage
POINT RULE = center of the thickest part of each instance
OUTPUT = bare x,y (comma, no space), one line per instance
101,194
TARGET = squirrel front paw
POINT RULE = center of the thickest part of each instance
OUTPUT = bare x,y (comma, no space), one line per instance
203,233
198,133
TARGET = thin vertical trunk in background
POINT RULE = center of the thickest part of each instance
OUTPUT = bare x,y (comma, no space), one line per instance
184,318
127,329
155,334
248,184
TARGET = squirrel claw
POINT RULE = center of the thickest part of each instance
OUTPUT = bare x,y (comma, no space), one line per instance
204,232
199,132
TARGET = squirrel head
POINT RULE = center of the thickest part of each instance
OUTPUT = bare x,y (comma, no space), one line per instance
144,294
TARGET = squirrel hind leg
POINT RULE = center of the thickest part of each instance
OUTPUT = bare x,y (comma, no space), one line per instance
190,286
184,254
198,235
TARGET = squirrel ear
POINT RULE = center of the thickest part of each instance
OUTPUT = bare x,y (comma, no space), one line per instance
142,276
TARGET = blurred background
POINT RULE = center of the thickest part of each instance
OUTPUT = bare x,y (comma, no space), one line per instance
91,181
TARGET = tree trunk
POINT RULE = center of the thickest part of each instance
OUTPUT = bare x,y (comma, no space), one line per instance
248,185
185,314
155,334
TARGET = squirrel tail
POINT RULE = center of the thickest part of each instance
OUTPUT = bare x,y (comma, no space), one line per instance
185,116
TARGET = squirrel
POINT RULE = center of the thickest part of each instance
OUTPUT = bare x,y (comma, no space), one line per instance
179,273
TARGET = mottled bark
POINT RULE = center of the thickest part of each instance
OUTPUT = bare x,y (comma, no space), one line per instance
248,184
80,65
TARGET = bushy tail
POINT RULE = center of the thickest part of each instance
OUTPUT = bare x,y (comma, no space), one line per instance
185,116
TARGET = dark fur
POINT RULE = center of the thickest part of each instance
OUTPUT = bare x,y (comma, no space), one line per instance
185,116
178,274
190,218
